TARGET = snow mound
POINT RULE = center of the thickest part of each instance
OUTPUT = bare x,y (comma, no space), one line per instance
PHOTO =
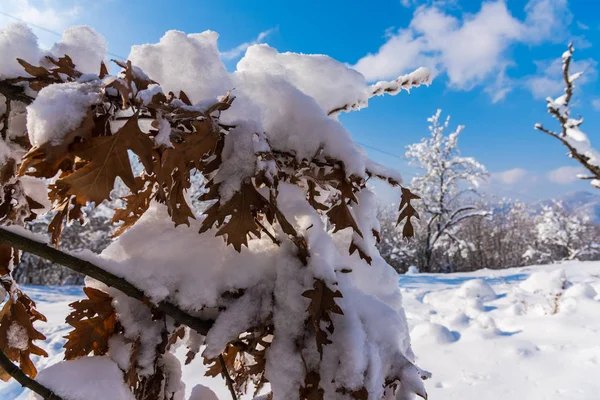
547,282
201,392
87,378
412,270
483,326
476,289
580,291
432,334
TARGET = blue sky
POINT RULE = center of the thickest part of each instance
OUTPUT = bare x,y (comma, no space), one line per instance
495,63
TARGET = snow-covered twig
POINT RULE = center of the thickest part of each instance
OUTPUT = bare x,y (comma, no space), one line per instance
574,139
420,76
85,267
17,374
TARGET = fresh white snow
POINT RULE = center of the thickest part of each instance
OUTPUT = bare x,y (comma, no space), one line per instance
519,333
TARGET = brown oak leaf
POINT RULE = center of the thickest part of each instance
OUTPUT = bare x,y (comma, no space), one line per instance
94,320
407,212
322,304
108,159
342,218
243,209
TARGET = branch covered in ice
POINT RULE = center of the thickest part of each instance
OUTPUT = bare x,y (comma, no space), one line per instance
571,136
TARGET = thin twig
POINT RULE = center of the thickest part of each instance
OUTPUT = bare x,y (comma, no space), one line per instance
269,234
227,377
25,381
85,267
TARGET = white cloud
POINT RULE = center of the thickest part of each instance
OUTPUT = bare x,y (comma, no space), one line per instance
238,50
565,175
549,80
596,104
471,49
44,18
511,176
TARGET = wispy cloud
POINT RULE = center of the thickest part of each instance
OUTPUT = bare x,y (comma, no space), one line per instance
596,104
238,50
549,81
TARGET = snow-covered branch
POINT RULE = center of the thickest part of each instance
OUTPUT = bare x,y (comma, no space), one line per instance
420,76
571,135
85,267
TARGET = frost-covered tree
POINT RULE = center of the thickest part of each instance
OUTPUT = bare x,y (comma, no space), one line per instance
570,134
274,280
446,187
563,235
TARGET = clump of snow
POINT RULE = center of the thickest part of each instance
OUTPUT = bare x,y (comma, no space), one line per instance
185,62
477,288
432,334
164,133
154,243
483,326
293,121
331,83
58,109
84,45
87,378
146,95
17,41
546,282
37,190
17,337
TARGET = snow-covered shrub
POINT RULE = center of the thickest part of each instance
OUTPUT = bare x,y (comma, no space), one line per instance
283,290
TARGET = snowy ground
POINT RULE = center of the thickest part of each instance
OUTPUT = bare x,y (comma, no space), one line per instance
510,334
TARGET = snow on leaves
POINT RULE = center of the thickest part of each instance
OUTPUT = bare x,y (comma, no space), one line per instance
111,120
17,333
243,361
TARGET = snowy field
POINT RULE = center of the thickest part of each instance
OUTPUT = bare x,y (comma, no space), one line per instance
524,333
